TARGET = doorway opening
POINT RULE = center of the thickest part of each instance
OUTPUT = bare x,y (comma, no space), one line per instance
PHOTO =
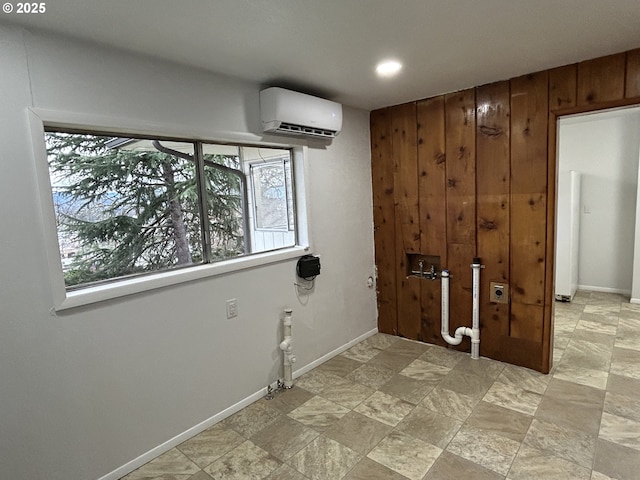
597,241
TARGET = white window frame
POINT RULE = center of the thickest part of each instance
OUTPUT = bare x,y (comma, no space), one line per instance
40,119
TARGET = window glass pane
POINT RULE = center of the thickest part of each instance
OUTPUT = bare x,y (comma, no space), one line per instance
272,212
225,196
270,196
123,206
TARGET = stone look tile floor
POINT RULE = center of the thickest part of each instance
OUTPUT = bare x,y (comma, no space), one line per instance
393,409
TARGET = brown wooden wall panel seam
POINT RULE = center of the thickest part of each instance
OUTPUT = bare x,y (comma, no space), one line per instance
460,142
601,79
403,118
461,219
529,116
433,208
519,351
460,166
432,175
493,180
526,321
460,150
563,85
529,130
384,220
632,77
528,253
407,216
493,138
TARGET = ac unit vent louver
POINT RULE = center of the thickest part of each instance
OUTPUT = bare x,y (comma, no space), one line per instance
302,130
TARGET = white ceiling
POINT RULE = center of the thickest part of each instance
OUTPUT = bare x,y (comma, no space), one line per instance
330,47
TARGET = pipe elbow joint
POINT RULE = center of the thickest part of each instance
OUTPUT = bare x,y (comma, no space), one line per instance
286,345
457,340
462,331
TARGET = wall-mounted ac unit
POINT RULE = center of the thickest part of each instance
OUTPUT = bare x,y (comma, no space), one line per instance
292,113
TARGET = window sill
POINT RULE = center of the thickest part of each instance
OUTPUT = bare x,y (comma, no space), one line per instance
100,293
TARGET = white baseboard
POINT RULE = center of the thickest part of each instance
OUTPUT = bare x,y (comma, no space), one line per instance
227,412
635,300
591,288
186,435
333,353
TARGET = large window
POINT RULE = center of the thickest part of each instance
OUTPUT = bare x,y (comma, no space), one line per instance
130,206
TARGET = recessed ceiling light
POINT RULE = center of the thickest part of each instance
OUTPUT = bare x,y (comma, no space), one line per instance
388,68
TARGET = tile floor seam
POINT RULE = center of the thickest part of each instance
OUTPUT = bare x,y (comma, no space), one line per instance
593,460
514,458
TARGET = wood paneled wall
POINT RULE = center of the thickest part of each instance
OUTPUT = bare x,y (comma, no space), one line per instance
473,173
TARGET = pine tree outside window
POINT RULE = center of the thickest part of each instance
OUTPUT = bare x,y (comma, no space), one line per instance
133,206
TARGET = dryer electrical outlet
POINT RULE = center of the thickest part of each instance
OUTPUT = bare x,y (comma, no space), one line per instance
499,292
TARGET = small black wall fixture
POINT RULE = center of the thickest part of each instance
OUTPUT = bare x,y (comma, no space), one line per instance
308,267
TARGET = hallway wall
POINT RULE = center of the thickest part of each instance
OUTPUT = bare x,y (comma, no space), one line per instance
604,148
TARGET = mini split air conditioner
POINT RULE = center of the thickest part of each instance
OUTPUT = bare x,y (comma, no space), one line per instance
292,113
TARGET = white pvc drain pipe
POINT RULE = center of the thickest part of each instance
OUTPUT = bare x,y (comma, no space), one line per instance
461,332
475,317
287,349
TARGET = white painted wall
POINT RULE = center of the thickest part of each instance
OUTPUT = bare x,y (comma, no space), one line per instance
635,285
84,392
604,148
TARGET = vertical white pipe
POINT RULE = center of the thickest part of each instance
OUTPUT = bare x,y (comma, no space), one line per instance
444,322
287,349
474,332
475,325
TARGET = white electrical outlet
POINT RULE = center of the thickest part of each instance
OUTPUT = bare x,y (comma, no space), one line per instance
232,308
